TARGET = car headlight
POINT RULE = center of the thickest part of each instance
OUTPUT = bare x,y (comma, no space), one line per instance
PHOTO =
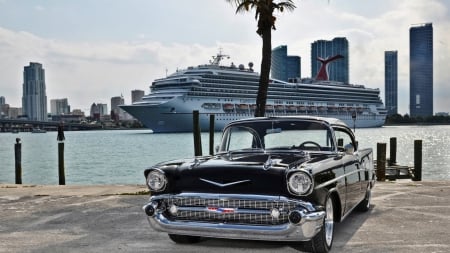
156,181
300,183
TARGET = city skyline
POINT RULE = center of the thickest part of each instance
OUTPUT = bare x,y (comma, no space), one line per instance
91,55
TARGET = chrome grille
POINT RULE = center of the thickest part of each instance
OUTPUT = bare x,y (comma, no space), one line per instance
234,211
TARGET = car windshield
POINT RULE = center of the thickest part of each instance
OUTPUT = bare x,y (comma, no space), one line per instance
278,135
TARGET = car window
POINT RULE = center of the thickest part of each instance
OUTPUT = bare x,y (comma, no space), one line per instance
342,138
279,134
291,138
241,138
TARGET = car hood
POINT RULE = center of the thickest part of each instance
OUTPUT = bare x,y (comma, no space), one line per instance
232,173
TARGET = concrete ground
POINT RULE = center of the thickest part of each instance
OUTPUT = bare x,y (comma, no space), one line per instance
405,217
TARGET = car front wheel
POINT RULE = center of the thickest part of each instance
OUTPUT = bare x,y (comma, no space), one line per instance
321,243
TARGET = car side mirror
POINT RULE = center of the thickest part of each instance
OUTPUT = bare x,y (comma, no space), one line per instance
349,149
217,148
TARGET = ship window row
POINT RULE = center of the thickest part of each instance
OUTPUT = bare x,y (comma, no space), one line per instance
225,76
287,94
296,97
314,91
254,82
346,115
283,91
324,99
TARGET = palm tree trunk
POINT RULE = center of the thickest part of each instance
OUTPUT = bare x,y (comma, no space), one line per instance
261,98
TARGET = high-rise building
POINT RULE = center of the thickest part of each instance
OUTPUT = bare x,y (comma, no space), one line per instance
421,70
103,109
338,70
78,112
136,95
59,106
98,110
3,108
4,111
34,99
116,112
14,112
284,67
391,82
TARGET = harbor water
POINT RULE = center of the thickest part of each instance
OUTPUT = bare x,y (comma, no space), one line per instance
120,156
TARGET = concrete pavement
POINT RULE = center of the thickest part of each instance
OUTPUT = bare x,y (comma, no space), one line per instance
406,216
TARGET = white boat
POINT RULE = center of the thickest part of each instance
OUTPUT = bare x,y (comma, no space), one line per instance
221,90
38,130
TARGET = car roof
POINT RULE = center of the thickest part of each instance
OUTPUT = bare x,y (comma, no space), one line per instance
329,121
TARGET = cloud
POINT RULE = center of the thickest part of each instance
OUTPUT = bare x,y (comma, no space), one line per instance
94,71
39,8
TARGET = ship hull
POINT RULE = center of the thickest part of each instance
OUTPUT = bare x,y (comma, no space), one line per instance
177,116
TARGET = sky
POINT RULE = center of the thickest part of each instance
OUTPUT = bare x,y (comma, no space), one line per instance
93,50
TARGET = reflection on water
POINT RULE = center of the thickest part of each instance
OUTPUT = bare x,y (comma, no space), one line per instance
119,157
435,146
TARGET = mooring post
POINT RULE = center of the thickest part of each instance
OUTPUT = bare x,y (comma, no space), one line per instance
61,171
197,136
211,134
60,138
18,159
393,151
417,160
381,161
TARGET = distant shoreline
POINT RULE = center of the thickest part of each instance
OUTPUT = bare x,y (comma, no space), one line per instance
416,124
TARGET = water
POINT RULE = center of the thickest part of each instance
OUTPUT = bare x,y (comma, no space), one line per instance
120,156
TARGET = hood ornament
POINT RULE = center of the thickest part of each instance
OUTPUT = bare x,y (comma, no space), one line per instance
224,185
270,162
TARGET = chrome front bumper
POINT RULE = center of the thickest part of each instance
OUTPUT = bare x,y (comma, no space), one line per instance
309,225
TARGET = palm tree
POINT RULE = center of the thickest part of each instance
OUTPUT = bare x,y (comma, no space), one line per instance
266,22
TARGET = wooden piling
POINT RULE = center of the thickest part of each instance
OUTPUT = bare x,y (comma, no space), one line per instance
417,160
196,131
211,134
392,151
381,161
340,142
61,170
18,160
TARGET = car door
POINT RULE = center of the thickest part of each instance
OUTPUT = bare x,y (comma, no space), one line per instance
350,161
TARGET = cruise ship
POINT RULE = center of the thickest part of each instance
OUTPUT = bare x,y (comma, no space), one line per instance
229,93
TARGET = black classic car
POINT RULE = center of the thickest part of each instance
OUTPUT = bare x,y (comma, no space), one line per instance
276,178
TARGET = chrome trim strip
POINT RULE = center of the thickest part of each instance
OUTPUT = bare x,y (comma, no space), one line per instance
338,178
236,210
309,226
307,205
224,185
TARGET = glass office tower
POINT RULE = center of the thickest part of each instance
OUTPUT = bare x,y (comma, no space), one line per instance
283,66
391,82
421,70
338,70
34,99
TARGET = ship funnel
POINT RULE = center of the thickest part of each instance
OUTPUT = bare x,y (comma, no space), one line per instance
323,72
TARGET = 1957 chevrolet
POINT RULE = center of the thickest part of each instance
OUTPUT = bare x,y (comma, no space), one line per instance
276,178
